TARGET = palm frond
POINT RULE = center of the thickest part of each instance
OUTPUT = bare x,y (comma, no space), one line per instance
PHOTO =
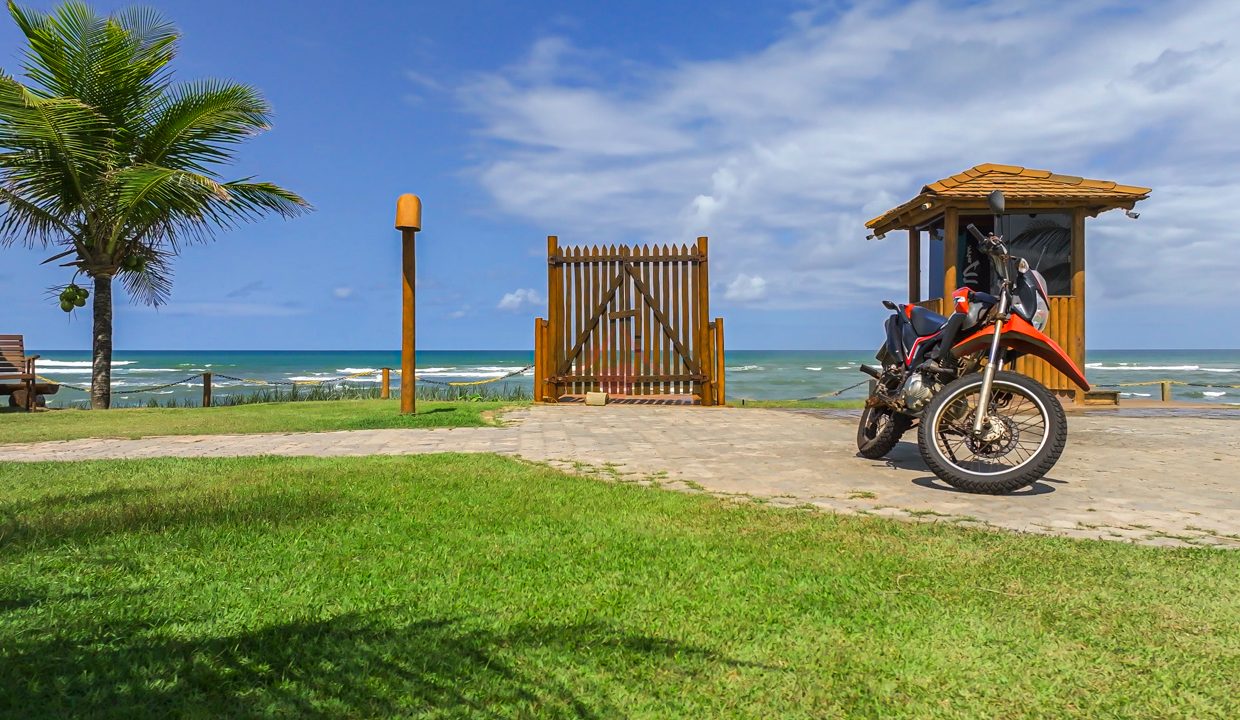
55,146
153,285
101,155
195,125
117,65
251,200
28,221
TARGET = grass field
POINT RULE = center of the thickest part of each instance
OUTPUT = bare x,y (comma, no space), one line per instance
311,416
475,586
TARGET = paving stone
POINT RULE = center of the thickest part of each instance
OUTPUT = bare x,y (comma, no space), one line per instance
1146,478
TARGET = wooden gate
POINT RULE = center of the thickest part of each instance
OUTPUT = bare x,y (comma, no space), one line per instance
628,321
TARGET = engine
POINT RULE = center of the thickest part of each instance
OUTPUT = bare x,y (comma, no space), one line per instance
915,392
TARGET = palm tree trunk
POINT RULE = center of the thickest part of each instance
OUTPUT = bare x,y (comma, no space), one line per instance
101,351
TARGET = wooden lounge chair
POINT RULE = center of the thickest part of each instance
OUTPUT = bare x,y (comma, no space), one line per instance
17,375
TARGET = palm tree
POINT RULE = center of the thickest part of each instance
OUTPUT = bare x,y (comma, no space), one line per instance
106,161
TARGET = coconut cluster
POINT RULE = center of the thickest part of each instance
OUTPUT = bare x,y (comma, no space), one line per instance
73,296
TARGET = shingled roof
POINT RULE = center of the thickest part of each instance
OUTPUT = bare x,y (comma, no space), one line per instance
1021,186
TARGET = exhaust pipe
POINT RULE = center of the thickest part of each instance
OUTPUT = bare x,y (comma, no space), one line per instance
872,372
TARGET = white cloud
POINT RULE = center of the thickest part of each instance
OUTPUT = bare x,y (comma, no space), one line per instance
780,155
342,293
520,298
746,288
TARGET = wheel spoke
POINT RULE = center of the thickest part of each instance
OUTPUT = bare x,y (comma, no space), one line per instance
1016,428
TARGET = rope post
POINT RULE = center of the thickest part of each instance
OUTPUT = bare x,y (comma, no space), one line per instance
409,222
385,390
1166,391
206,389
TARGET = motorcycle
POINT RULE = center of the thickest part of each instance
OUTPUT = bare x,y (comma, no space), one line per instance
981,428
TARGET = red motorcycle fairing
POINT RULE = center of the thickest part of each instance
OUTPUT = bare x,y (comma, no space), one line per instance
1022,337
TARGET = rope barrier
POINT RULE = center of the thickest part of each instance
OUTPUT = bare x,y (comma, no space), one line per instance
475,382
471,383
258,381
836,393
57,382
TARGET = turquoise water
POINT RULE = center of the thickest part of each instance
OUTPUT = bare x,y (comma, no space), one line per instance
755,374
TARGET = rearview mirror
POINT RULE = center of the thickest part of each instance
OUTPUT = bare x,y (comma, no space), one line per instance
995,199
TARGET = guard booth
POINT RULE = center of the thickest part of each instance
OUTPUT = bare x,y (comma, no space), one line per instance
1044,222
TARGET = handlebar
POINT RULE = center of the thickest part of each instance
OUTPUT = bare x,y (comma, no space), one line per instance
991,245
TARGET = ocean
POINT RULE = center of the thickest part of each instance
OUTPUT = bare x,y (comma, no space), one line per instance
751,374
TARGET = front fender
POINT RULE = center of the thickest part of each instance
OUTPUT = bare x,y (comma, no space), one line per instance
1022,337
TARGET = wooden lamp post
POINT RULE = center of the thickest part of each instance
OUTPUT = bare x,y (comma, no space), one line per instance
409,222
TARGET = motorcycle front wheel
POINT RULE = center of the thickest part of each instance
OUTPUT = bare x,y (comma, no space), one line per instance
1023,438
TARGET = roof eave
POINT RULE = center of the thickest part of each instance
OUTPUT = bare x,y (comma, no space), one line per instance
915,212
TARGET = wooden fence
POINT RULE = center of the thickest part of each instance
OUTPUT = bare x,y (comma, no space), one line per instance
628,321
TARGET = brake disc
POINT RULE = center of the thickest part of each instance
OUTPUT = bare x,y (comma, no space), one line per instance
999,446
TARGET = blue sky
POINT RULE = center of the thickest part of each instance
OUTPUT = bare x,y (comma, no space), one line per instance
776,128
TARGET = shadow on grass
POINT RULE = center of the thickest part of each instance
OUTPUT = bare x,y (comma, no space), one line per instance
350,665
49,522
69,501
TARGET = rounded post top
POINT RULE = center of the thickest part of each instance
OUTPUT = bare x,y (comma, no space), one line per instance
409,212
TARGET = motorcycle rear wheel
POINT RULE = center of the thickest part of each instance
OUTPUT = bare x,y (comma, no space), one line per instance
1027,434
879,431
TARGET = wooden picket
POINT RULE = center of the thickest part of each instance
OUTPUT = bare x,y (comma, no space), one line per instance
629,321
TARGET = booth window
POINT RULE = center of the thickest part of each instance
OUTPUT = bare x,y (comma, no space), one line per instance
1045,240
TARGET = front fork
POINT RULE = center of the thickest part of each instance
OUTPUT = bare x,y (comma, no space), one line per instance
994,364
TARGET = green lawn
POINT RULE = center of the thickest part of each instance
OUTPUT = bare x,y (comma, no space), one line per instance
273,417
475,586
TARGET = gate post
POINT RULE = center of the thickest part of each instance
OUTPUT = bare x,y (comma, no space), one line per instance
554,332
719,365
540,370
701,334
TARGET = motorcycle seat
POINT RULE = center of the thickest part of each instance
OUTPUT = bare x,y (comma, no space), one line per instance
925,322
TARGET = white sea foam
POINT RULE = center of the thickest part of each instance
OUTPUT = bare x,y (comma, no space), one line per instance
59,364
1228,370
350,371
1209,393
843,367
466,374
744,368
1136,394
153,370
1122,366
815,369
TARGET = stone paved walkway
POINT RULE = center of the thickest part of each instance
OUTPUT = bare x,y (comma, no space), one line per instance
1163,479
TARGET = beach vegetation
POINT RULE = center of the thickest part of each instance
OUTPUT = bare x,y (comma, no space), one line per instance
480,586
112,166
